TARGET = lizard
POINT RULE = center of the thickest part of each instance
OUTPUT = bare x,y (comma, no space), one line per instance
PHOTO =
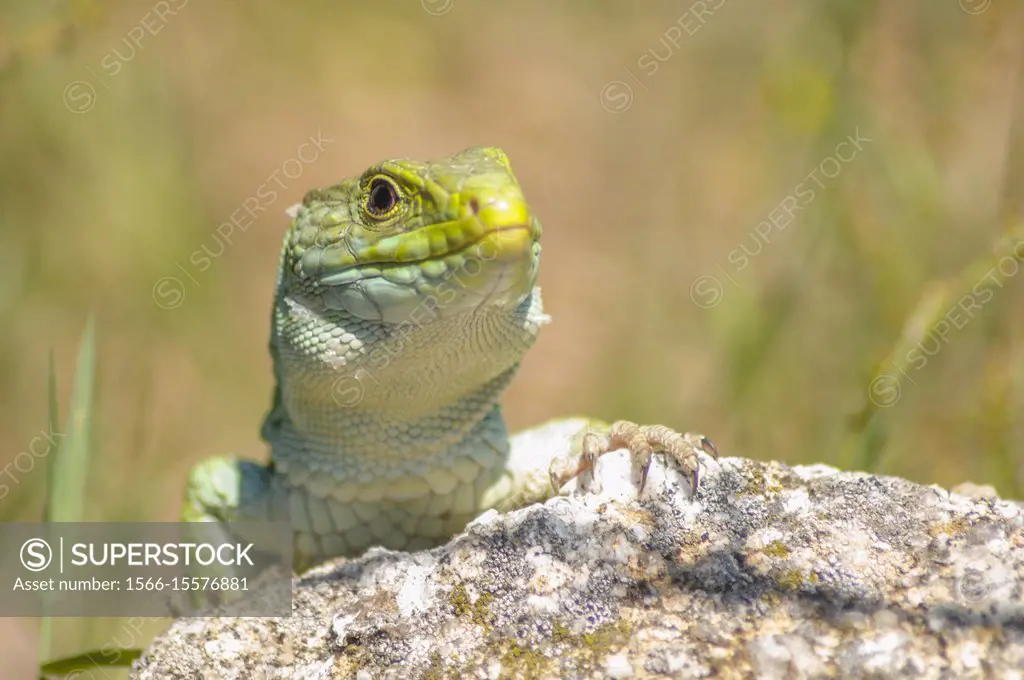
405,299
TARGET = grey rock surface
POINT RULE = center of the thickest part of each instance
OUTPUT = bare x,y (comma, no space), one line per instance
768,571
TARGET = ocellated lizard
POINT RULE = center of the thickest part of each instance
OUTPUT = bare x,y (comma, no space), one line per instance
405,300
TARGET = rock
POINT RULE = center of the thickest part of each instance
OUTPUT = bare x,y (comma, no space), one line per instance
768,571
975,490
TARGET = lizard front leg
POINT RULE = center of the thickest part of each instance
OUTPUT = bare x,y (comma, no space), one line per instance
642,441
223,494
543,459
224,489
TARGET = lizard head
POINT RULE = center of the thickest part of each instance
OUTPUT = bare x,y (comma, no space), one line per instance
452,235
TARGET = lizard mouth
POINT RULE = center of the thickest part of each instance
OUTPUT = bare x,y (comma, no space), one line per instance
502,244
496,269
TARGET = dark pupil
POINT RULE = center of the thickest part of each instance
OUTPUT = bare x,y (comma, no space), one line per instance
382,197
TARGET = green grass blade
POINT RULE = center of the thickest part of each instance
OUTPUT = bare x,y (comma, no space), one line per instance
68,463
54,415
54,410
69,469
46,627
118,658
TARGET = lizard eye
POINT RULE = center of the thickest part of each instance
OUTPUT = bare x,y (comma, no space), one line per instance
382,197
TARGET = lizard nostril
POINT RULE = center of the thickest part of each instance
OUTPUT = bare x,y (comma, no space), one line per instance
474,205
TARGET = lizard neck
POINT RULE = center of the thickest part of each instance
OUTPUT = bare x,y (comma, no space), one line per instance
353,389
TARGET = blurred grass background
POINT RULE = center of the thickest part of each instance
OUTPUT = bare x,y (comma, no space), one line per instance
652,141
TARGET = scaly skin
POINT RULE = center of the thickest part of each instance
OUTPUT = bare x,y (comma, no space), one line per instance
405,301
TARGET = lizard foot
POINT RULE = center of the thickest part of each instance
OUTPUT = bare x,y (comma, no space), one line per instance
642,441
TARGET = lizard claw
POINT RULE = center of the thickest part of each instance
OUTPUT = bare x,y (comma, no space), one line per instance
642,441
